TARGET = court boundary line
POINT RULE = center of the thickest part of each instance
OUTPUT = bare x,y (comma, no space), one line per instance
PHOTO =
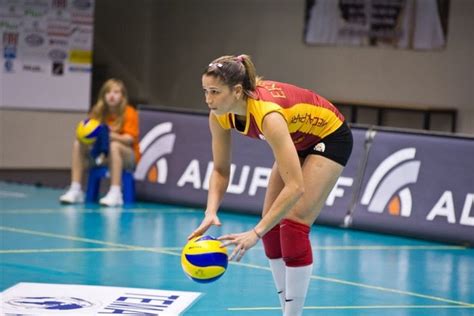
354,307
85,240
13,194
62,250
65,210
163,251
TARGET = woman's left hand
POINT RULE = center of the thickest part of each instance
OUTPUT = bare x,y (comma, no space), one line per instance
242,242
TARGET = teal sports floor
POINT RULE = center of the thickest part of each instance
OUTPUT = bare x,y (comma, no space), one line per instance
355,273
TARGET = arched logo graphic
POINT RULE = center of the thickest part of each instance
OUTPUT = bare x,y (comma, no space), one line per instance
157,143
49,303
387,187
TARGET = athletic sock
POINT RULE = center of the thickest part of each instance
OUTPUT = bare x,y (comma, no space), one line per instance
278,270
297,282
115,189
75,186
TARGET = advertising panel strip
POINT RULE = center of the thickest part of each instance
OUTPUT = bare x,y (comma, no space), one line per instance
407,184
419,185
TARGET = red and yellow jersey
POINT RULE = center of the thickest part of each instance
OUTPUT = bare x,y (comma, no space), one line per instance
309,116
130,127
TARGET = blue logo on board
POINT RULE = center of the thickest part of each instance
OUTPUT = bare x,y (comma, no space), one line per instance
49,303
8,65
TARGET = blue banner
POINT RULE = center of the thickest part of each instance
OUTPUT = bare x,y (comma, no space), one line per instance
419,185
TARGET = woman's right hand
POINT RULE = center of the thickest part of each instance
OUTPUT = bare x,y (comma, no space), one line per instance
208,221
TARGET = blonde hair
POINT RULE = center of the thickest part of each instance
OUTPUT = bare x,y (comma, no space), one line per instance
101,110
233,70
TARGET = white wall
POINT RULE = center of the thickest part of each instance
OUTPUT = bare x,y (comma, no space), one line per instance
271,31
160,47
37,139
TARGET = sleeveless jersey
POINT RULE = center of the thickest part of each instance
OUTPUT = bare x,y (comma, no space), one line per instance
309,116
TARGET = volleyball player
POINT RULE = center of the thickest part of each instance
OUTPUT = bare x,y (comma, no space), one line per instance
311,144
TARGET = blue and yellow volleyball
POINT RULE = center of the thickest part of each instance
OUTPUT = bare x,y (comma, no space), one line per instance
203,259
87,131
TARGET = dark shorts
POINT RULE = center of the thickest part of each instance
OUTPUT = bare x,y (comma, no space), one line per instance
337,146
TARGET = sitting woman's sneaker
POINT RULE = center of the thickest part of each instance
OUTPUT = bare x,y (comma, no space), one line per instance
72,196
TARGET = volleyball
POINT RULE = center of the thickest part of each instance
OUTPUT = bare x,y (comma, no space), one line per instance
87,131
203,259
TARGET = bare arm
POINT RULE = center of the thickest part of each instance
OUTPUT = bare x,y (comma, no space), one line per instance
219,179
220,173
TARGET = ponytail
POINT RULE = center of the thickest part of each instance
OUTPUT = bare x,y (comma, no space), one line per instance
233,70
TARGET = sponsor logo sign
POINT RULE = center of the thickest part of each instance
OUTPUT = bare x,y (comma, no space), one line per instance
9,52
34,26
32,68
59,28
58,42
82,4
77,56
35,11
34,40
9,24
419,185
64,299
8,65
59,4
388,185
10,39
81,38
57,54
57,69
154,147
80,69
83,19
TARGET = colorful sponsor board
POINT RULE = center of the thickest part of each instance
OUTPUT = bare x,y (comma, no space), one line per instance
46,46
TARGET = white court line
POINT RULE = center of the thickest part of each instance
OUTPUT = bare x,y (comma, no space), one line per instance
12,194
355,307
60,250
66,250
86,240
65,209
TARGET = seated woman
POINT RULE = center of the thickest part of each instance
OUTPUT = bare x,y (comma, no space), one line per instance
113,110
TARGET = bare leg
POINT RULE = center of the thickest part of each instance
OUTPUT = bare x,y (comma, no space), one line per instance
120,156
275,185
79,158
320,174
79,161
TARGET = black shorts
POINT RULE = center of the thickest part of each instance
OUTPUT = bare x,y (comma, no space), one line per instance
337,146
